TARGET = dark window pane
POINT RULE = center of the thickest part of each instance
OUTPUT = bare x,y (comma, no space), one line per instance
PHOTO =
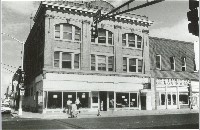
131,37
66,64
158,62
123,39
162,99
110,41
56,63
101,39
132,65
139,65
76,61
77,34
110,63
92,62
102,32
124,64
131,43
57,27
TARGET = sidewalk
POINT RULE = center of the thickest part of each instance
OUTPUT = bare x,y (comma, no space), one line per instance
93,114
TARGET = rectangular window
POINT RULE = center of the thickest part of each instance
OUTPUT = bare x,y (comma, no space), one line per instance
110,42
125,64
110,63
123,39
56,58
102,63
66,60
195,68
102,36
133,100
132,65
183,61
139,65
92,38
162,99
57,31
139,42
92,62
183,98
77,34
131,40
67,31
172,62
158,62
76,61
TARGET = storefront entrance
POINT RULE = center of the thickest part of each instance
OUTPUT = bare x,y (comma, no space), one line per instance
103,100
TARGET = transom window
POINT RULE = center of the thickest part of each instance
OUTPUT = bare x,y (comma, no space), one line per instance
67,31
102,63
104,37
131,40
183,62
132,65
66,60
172,63
158,62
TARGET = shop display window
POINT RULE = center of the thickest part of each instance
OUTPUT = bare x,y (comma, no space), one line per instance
54,100
69,96
183,98
111,99
162,99
122,100
133,100
84,99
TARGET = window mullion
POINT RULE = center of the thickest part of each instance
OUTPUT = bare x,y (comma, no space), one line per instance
106,37
135,41
60,59
136,65
106,63
61,31
73,33
112,39
126,40
127,62
72,60
96,62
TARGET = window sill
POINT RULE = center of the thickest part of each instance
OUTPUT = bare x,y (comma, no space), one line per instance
99,44
133,48
67,40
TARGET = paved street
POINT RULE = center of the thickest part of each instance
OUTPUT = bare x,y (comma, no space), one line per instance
178,121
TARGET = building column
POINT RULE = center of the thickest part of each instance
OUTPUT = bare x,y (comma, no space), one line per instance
114,100
166,98
108,101
62,99
139,95
178,105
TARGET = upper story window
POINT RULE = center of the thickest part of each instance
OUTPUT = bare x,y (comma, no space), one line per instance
102,63
104,37
66,60
183,63
131,40
158,62
172,63
67,31
132,64
195,68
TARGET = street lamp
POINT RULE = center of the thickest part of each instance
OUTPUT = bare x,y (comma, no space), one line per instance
21,86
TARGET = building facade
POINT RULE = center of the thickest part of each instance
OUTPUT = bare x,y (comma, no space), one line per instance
64,62
173,69
121,69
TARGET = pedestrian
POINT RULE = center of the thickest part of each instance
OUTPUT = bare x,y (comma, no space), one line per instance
69,102
77,103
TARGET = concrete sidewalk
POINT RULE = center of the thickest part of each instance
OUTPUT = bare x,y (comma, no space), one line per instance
93,114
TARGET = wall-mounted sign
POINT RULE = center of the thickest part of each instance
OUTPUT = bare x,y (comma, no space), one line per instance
83,95
125,99
133,99
173,82
69,96
123,96
55,96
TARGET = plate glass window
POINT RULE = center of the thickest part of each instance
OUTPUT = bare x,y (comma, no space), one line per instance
56,58
172,62
158,61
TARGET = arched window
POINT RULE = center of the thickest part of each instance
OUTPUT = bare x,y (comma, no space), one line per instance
131,40
67,31
104,37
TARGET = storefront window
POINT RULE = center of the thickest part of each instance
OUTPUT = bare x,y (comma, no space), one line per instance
54,100
162,99
84,99
174,99
69,96
95,97
133,100
169,99
183,98
111,99
122,100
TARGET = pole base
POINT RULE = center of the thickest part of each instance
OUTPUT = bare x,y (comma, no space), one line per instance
20,112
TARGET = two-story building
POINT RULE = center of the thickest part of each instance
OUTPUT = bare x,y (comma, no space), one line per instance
172,67
63,61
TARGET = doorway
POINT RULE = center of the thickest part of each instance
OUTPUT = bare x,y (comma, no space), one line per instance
143,102
103,100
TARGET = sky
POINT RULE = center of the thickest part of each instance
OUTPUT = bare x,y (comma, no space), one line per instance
169,17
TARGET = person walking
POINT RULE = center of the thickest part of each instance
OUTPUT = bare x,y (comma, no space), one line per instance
77,103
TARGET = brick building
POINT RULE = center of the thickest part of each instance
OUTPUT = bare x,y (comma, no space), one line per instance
172,67
116,71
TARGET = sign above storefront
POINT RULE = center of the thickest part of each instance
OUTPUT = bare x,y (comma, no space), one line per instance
172,82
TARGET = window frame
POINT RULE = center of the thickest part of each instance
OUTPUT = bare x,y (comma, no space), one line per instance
160,61
172,63
128,67
183,61
126,40
72,60
62,31
96,40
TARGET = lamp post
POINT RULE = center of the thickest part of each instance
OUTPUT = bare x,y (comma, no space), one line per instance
21,85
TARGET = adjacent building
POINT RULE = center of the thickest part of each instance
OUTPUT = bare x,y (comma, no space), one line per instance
121,69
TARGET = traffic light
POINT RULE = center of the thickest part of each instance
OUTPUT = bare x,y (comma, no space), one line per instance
94,30
192,15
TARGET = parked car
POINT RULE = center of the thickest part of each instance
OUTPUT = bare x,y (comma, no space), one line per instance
5,108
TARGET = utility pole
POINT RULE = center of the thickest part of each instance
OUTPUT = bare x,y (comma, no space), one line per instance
21,85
